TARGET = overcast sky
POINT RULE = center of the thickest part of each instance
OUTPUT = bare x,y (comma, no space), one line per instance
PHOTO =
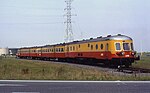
41,22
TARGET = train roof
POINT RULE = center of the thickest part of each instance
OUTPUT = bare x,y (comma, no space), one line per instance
109,37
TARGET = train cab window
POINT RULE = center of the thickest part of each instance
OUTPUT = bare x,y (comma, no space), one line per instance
126,46
102,46
118,46
91,47
96,46
132,48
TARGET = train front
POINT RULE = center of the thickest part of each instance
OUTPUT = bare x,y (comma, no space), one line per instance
123,51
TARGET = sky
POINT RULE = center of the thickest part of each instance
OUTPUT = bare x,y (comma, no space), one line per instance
41,22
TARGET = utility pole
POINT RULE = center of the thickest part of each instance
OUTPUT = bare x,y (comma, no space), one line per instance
68,22
141,48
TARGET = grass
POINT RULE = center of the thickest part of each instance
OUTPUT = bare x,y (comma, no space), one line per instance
15,69
144,62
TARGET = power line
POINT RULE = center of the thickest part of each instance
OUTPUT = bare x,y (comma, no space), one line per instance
33,23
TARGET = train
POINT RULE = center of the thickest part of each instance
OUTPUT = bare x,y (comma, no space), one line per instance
114,50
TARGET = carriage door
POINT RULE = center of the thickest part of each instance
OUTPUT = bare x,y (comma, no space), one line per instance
107,48
67,50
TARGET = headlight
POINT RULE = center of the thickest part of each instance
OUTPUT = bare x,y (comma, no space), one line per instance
122,53
133,53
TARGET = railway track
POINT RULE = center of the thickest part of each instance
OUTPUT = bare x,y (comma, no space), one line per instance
134,70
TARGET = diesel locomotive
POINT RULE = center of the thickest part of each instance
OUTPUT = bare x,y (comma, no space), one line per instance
115,50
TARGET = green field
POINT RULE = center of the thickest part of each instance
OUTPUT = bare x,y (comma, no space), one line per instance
16,69
144,62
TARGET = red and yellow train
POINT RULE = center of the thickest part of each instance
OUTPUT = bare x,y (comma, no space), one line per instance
114,50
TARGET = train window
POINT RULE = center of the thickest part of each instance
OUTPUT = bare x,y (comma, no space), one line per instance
67,48
126,46
56,50
70,48
73,48
91,47
102,46
132,46
88,45
107,46
62,50
96,46
118,46
79,46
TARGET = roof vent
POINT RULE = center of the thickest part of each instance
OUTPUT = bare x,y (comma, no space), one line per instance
109,36
91,38
99,37
119,34
76,41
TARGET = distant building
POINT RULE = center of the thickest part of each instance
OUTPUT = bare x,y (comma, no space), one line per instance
8,51
4,51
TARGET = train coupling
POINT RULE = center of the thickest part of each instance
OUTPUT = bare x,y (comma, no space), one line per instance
137,58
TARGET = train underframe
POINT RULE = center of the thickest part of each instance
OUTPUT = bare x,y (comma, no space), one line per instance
127,62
